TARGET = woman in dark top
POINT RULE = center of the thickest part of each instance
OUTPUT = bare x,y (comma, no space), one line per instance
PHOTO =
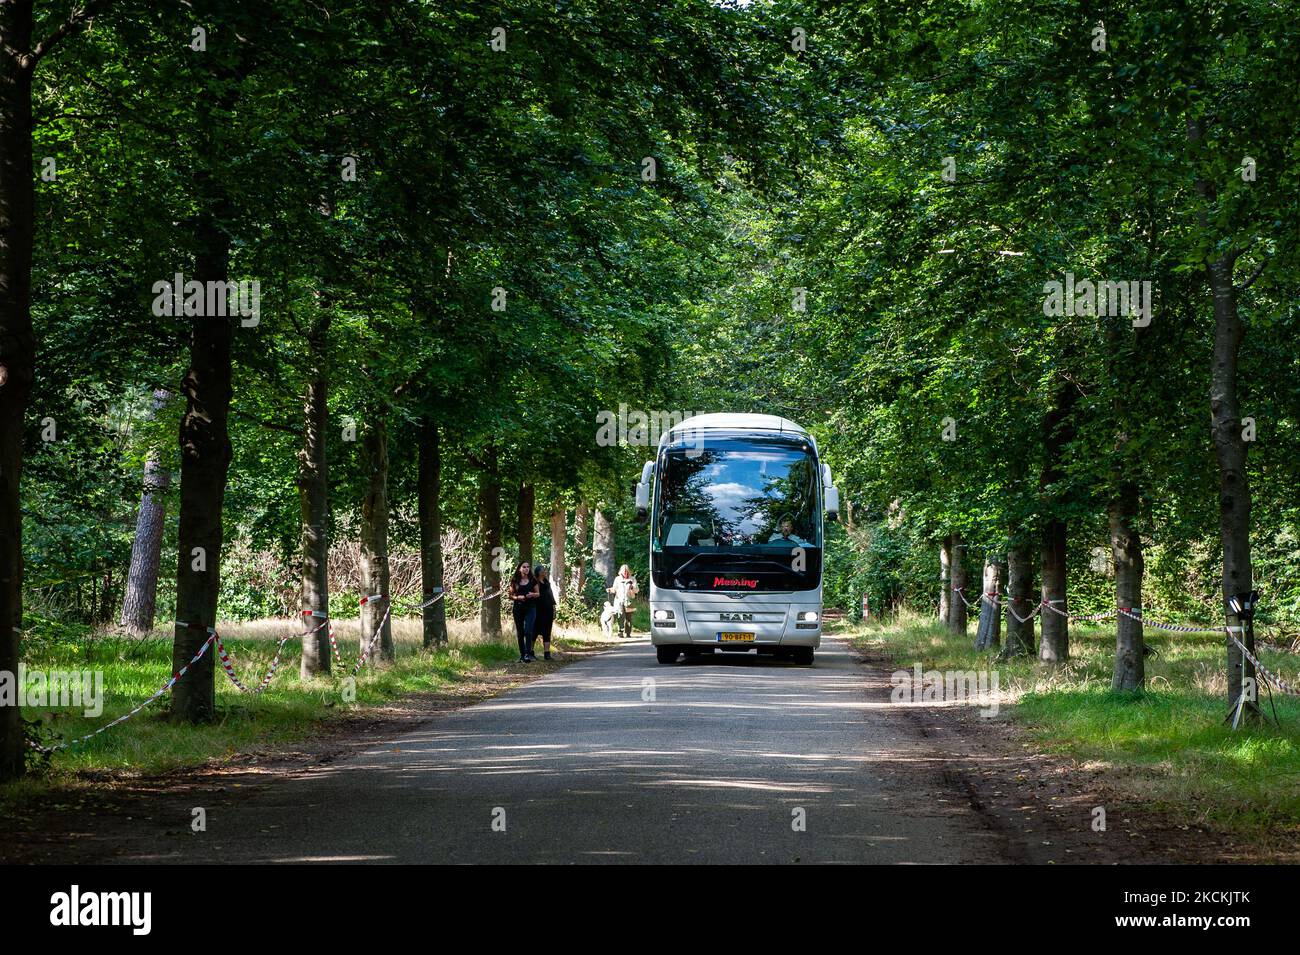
545,608
523,598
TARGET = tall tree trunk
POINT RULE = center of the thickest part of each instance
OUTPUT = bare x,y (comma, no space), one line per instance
1020,589
17,345
314,503
205,461
558,534
988,634
1058,432
945,578
490,551
374,539
1126,550
1234,482
581,521
1055,646
1229,446
957,605
527,505
139,600
139,597
430,504
602,556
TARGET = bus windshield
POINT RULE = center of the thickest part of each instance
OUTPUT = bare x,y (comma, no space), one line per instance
741,513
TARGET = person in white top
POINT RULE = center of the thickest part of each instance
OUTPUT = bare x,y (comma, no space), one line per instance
624,590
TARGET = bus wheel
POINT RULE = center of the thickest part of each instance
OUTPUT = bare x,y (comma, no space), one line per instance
667,654
803,656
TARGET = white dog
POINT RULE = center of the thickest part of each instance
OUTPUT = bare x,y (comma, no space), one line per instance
607,619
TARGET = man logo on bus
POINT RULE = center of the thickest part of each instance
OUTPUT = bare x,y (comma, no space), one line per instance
734,582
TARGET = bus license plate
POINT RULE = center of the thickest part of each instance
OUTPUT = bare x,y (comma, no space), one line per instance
732,637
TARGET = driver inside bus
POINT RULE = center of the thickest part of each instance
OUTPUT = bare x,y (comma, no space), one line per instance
784,534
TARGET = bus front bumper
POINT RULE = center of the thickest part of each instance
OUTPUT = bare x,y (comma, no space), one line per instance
707,630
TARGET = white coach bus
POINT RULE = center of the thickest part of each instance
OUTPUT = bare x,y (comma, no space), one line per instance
735,513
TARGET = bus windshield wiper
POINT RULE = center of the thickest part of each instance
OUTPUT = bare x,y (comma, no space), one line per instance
751,560
682,566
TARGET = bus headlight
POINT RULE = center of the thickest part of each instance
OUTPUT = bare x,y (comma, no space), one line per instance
808,616
665,619
663,615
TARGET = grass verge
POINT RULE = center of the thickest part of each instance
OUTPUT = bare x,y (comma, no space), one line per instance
291,709
1168,744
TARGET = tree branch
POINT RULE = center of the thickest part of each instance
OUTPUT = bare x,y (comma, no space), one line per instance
74,22
1253,275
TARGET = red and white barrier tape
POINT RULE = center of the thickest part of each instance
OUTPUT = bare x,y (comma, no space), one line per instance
379,630
1131,614
1010,604
225,656
1082,616
338,660
1271,677
212,636
1157,625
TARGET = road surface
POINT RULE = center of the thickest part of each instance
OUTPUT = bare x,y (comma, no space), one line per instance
616,758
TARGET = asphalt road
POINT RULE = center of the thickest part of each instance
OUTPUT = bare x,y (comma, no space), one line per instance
717,761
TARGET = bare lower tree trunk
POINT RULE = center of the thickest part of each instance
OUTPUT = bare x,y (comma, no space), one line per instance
139,600
314,503
1058,432
581,522
558,534
525,510
490,551
602,556
988,634
205,462
1234,482
1229,446
1020,589
374,540
945,577
17,346
1055,646
956,605
1126,550
430,506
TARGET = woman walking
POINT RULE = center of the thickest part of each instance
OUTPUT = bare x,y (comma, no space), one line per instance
523,598
624,591
545,610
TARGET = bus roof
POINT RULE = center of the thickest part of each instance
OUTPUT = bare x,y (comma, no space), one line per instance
738,422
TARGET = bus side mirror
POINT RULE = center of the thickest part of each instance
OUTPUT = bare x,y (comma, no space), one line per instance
832,504
643,491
